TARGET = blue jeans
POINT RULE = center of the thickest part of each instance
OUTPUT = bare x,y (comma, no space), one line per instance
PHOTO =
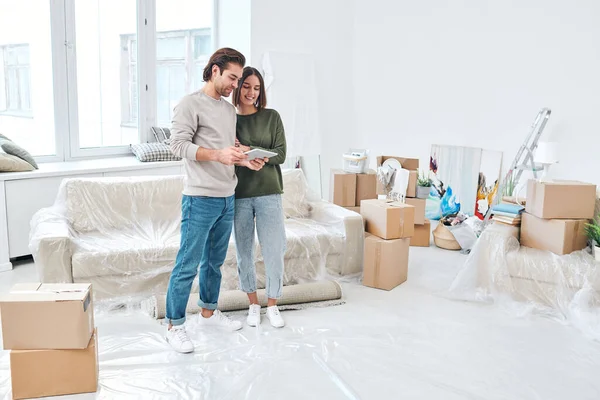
270,228
206,224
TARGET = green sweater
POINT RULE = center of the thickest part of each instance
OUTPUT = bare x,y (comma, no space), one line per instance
261,130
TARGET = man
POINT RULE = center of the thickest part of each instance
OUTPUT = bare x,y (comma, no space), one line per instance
203,134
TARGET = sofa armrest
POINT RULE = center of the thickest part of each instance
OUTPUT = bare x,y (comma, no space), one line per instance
351,225
50,243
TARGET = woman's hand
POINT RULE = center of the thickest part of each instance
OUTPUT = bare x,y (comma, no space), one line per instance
241,146
254,165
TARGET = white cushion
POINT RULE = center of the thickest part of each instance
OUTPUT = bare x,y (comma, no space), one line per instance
99,204
295,191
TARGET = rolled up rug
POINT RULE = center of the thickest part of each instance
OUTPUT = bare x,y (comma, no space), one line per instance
314,294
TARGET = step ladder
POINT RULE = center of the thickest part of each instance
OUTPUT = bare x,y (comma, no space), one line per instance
524,159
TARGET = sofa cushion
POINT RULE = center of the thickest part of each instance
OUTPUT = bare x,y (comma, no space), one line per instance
107,204
295,191
124,257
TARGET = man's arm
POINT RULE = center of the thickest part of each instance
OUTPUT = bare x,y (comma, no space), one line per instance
183,129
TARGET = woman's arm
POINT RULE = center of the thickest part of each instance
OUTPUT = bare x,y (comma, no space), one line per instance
280,146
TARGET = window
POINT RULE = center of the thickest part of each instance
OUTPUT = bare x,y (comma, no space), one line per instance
87,78
17,97
180,60
27,106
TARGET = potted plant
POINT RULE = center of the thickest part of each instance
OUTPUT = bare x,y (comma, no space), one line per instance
593,233
424,184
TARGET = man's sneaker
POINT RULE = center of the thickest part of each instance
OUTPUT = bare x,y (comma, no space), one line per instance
179,340
253,315
275,317
220,320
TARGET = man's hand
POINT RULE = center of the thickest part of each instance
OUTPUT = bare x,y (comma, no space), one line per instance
231,155
254,165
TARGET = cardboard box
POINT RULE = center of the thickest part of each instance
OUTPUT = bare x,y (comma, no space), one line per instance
343,188
41,373
355,209
411,190
366,186
386,262
560,236
406,163
47,316
419,205
422,236
388,220
561,199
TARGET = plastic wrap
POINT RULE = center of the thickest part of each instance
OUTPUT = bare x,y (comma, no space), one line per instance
524,280
403,344
122,235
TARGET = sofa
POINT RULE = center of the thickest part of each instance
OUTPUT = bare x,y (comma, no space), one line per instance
122,235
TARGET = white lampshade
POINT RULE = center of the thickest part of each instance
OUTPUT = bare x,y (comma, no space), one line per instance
546,153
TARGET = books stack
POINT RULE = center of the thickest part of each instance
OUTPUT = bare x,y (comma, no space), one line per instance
508,214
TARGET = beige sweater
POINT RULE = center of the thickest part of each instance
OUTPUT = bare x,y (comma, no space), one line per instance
201,121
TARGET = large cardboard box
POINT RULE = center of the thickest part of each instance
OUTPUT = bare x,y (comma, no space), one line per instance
47,316
366,186
411,190
343,188
419,205
412,164
388,220
560,236
422,236
561,199
41,373
386,262
355,209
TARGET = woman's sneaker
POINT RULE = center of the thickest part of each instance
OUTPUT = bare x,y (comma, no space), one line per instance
218,319
179,340
253,318
274,317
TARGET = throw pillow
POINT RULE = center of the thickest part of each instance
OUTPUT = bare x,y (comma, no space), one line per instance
162,135
10,163
12,148
147,152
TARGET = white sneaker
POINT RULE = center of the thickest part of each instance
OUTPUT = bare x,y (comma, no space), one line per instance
274,317
253,315
220,320
179,340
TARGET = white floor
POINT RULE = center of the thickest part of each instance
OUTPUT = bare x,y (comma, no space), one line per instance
408,343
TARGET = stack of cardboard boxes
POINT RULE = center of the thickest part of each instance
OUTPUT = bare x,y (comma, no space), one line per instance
50,331
555,215
422,231
390,227
349,189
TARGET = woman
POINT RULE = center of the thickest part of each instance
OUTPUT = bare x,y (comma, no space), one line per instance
258,196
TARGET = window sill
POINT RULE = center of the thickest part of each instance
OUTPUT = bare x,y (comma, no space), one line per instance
65,168
16,114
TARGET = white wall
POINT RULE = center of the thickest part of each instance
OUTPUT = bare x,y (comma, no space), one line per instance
325,30
475,73
234,26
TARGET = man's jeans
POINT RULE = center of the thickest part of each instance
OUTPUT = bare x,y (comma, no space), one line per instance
206,224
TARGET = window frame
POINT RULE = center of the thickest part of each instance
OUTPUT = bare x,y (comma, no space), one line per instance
188,61
64,76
